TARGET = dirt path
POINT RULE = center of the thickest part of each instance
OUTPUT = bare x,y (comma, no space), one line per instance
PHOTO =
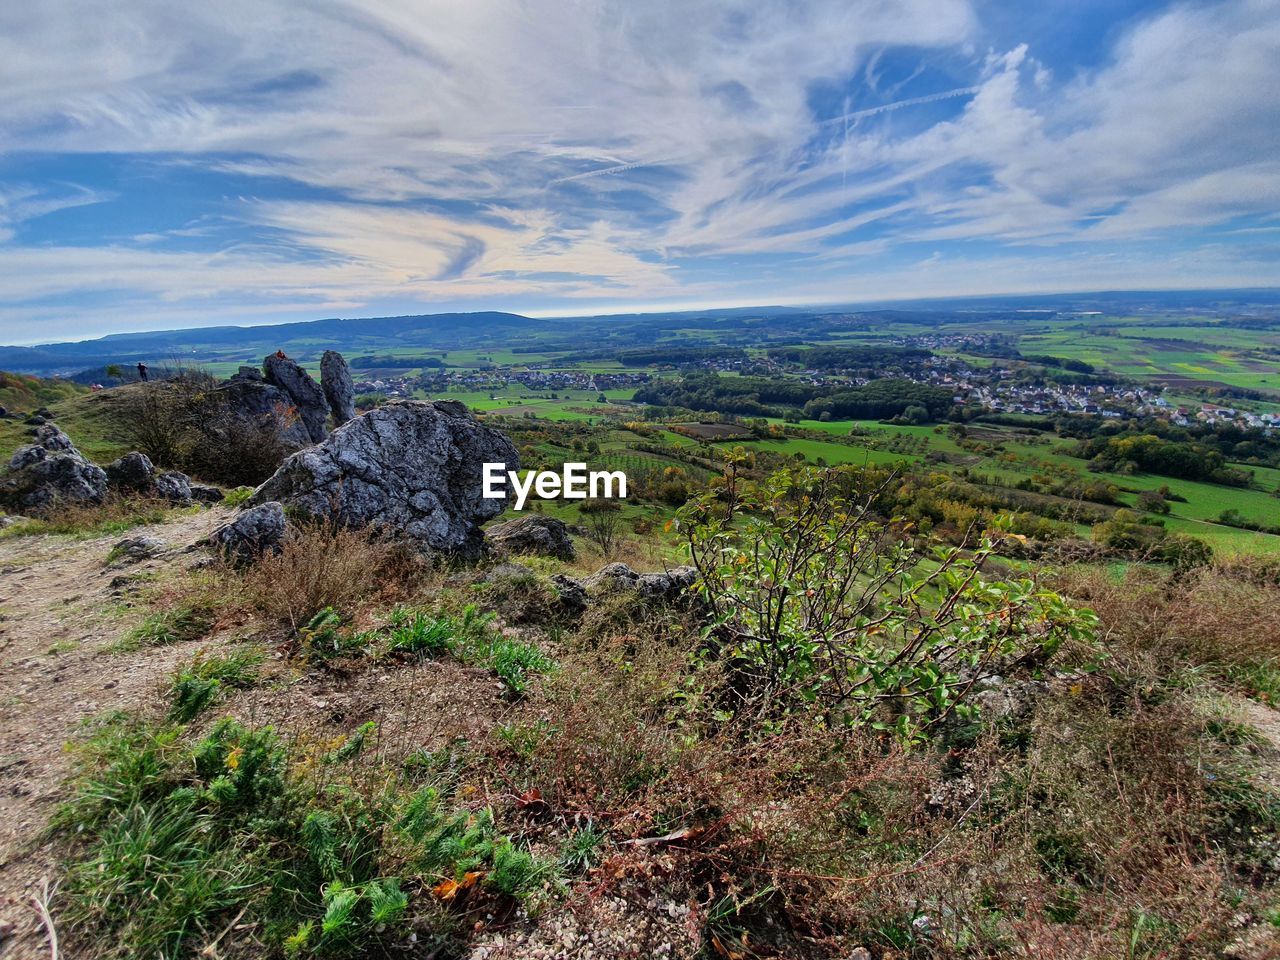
59,616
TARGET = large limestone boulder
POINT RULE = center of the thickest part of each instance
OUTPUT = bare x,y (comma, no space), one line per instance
49,472
410,470
307,397
531,535
339,389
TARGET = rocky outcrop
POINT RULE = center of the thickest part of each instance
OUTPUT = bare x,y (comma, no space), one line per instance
339,389
307,397
410,470
531,535
255,531
49,472
134,473
617,578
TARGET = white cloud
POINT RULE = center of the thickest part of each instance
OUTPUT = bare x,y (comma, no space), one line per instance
589,149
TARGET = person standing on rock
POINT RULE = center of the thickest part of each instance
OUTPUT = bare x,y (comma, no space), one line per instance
142,371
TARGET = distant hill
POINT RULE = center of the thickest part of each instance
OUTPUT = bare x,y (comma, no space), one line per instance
764,326
249,344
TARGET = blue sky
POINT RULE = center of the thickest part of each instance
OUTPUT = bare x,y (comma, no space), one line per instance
251,161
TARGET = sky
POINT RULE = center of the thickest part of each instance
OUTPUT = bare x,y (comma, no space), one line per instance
252,161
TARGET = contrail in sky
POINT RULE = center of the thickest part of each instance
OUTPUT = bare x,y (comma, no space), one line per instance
621,168
843,118
899,104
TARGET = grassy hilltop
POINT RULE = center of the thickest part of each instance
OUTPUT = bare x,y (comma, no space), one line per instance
955,680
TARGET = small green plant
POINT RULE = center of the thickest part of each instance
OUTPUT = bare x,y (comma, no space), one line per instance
236,497
189,621
354,744
581,849
515,663
323,637
414,632
197,686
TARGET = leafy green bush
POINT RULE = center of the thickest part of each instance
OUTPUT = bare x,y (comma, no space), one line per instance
814,599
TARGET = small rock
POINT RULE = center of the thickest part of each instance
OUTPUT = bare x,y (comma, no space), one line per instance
137,549
202,493
173,486
532,534
134,471
256,531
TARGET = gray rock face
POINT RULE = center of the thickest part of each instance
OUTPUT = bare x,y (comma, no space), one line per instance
133,472
411,470
532,534
254,532
620,578
255,400
305,393
339,390
51,471
173,486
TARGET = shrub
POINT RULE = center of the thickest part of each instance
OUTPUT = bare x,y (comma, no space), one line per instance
814,599
320,566
186,423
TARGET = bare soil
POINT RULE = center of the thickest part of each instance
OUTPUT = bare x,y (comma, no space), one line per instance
61,612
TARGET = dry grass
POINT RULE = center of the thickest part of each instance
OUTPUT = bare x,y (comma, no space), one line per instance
322,565
116,514
1205,617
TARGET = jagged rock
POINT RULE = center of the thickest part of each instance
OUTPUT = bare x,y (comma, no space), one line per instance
618,577
137,549
308,399
202,493
51,471
133,472
411,470
8,520
254,532
339,390
531,534
251,398
173,486
51,438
